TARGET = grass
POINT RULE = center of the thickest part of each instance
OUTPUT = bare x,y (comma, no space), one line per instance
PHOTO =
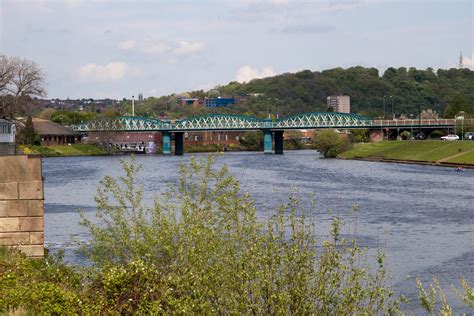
66,150
428,150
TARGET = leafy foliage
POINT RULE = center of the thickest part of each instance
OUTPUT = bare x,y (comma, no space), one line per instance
252,141
200,249
330,143
306,91
206,252
27,135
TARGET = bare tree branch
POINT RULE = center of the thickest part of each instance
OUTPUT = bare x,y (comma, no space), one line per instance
7,72
20,81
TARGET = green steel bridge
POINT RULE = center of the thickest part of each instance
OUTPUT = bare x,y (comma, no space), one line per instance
232,122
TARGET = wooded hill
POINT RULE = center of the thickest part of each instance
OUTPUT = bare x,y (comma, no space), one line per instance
306,91
444,91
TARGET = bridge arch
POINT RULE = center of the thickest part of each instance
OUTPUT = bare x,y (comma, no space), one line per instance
323,120
122,124
219,122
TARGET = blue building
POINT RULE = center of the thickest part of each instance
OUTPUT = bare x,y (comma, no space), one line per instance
219,102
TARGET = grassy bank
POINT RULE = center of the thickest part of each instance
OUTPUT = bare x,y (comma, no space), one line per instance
62,151
430,151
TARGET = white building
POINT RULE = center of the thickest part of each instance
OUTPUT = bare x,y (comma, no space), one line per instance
339,103
7,137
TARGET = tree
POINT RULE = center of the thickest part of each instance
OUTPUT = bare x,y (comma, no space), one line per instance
200,249
330,144
457,104
20,81
28,135
293,139
252,141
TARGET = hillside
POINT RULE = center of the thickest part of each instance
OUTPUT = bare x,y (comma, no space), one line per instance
444,91
306,91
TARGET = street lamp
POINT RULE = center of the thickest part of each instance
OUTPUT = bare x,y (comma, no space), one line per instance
133,105
411,133
393,113
384,105
461,117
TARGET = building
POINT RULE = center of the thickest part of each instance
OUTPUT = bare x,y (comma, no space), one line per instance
339,103
7,137
54,134
190,102
219,102
140,97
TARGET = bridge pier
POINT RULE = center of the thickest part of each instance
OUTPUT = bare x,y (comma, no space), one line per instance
278,142
267,142
178,143
166,140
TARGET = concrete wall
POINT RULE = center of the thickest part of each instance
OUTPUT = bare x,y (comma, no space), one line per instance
22,204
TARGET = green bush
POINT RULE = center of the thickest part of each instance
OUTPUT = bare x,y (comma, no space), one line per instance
201,249
252,141
330,143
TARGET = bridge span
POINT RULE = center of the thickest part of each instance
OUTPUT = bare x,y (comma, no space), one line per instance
272,129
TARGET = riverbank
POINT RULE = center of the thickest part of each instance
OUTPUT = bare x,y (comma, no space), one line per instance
63,150
432,152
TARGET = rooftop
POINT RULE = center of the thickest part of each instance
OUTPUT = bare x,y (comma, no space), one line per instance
45,127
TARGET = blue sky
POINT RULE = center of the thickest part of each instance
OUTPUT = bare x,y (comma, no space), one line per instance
116,49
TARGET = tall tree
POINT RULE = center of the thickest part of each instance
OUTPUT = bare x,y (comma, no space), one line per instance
20,81
457,104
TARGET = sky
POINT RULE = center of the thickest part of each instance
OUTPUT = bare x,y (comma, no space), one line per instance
119,48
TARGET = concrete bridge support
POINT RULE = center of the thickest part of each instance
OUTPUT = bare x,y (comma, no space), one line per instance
166,140
178,143
278,142
267,142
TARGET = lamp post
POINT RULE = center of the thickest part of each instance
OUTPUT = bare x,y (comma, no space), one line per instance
384,105
393,112
133,105
461,117
411,133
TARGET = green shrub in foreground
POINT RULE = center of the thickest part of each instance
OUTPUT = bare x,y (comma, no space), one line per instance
201,249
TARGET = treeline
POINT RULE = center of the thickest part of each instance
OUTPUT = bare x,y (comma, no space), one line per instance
408,90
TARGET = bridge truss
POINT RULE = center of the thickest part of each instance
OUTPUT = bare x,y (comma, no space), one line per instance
226,122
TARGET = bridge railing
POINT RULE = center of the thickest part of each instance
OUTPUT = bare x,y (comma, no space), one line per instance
415,122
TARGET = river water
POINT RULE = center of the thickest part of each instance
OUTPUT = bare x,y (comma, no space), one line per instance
422,216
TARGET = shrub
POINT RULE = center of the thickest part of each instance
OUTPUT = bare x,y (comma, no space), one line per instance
252,141
360,135
330,144
201,249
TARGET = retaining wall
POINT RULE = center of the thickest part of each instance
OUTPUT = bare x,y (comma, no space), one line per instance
22,204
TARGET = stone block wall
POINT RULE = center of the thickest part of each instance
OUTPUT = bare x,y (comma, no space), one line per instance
22,204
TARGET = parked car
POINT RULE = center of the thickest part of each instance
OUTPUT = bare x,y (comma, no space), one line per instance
450,137
469,136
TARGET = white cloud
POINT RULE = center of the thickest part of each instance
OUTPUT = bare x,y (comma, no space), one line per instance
247,73
468,62
206,86
109,72
185,47
155,48
126,45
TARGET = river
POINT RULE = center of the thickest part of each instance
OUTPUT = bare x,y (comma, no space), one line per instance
422,216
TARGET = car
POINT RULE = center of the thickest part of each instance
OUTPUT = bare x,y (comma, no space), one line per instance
469,136
450,137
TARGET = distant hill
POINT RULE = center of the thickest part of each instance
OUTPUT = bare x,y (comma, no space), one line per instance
306,91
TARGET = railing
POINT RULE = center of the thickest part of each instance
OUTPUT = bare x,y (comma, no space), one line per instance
414,122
